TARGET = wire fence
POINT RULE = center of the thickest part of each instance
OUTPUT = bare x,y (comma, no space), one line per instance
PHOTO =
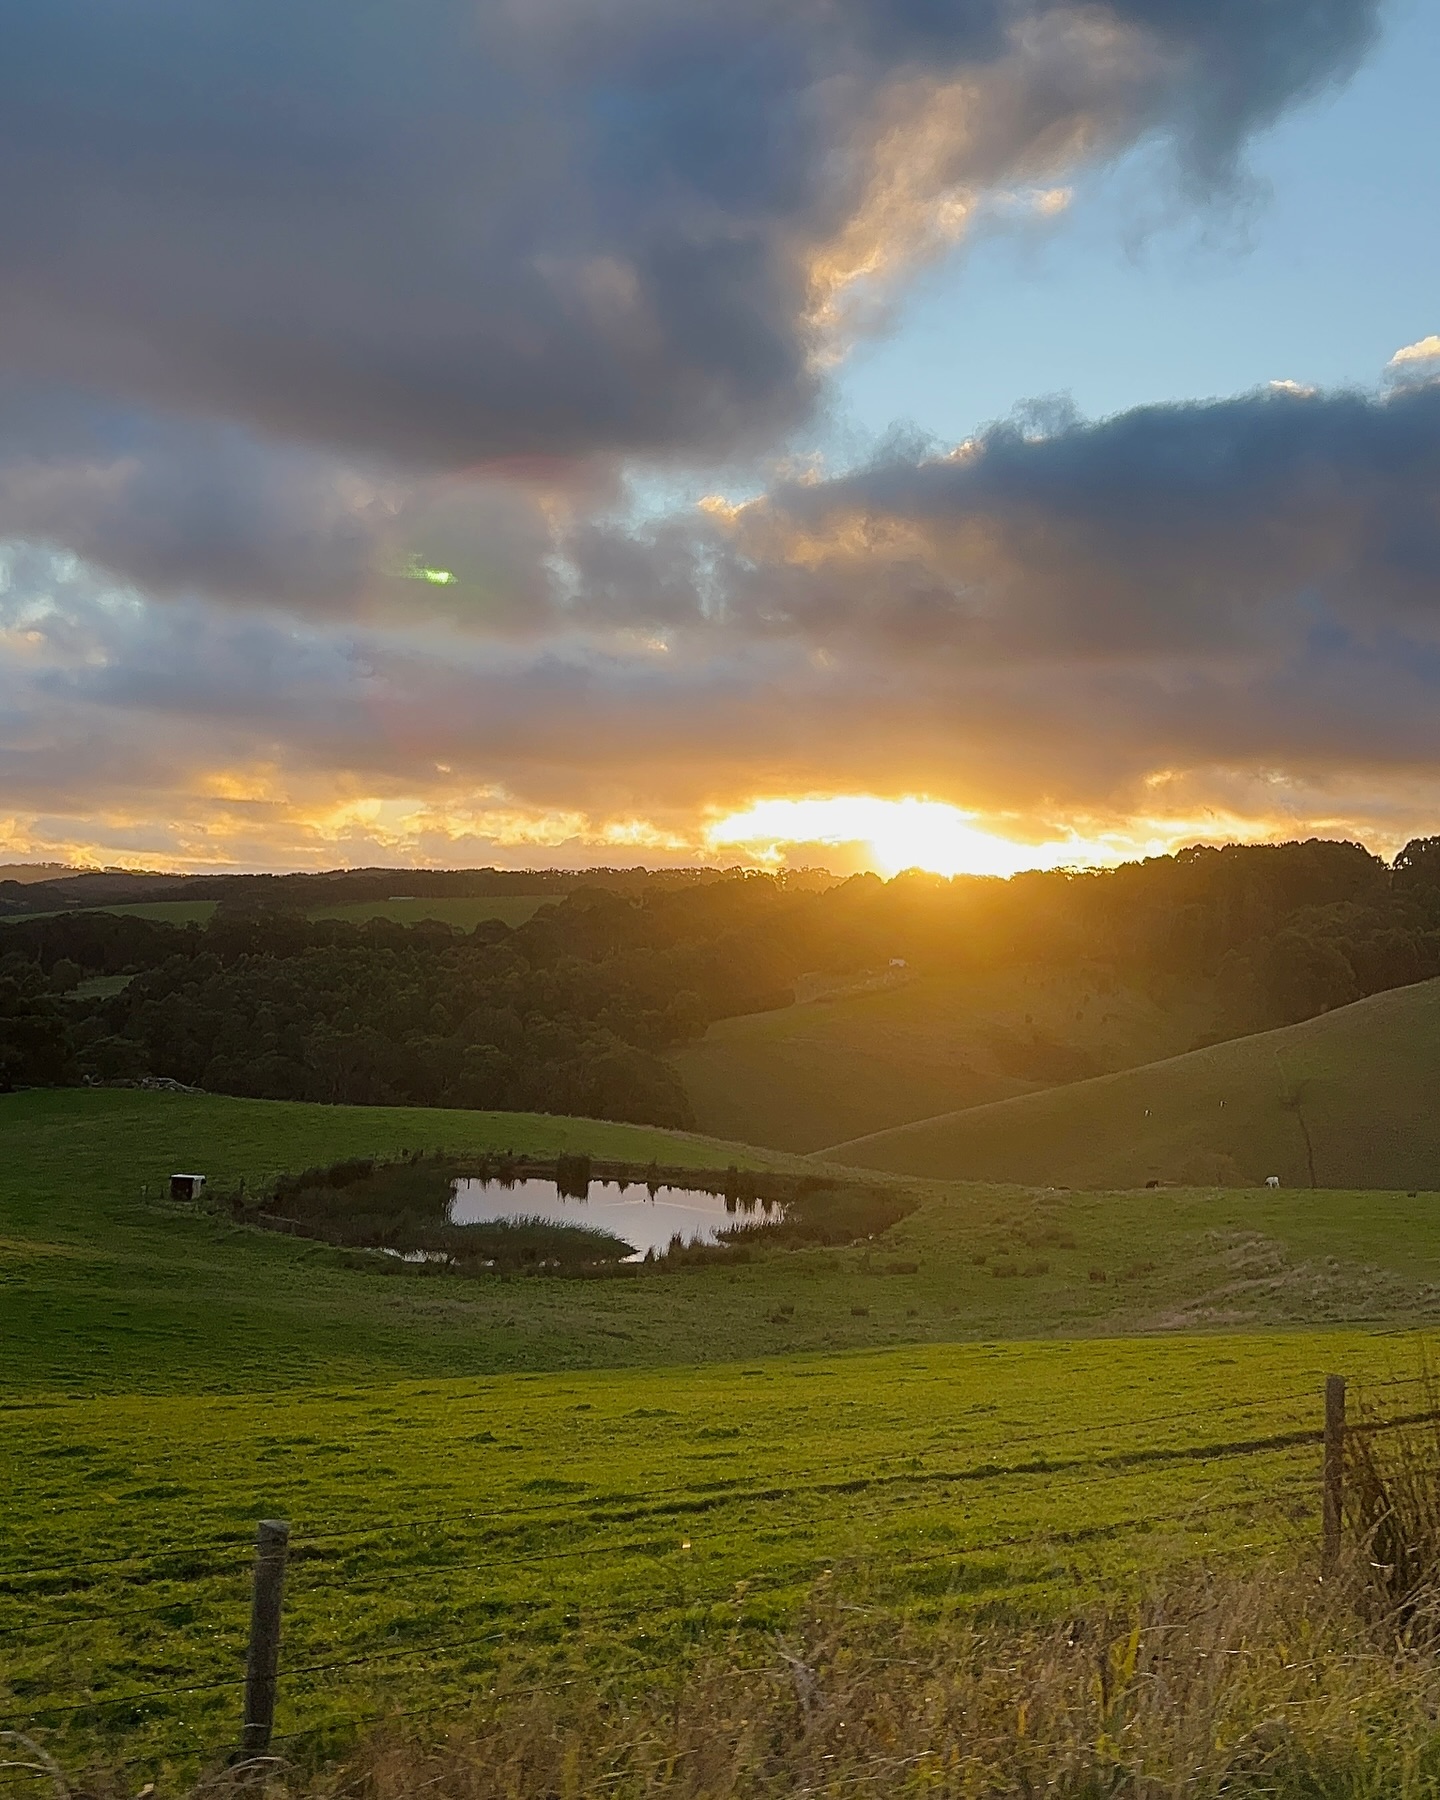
742,1584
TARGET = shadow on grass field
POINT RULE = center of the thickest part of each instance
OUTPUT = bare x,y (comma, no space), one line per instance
1341,1101
913,1045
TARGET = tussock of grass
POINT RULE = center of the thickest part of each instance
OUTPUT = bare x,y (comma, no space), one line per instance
1392,1496
1213,1686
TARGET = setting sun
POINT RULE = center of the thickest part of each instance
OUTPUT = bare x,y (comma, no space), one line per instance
911,833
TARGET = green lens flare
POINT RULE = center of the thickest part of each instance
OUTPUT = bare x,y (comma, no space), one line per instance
418,571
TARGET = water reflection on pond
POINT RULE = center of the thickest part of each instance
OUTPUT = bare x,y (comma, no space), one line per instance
630,1213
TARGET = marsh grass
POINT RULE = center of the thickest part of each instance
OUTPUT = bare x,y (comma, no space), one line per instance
402,1205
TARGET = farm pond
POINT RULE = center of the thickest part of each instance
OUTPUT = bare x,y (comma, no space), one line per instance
628,1211
564,1215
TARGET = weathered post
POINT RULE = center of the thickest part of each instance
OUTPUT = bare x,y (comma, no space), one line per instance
1333,1476
262,1661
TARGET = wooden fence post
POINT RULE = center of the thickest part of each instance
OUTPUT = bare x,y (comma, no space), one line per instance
262,1661
1334,1472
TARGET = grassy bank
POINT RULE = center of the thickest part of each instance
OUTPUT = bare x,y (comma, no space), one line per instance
108,1286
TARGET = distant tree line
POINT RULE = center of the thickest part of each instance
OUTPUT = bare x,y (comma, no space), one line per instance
571,1012
575,1010
346,887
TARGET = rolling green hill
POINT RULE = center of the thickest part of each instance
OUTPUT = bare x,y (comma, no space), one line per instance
106,1286
502,1481
903,1047
1346,1100
158,912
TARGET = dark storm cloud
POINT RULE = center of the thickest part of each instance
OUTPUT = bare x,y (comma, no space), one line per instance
1230,529
178,505
540,229
1201,530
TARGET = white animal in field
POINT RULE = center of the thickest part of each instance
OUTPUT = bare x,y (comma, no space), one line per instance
1272,1181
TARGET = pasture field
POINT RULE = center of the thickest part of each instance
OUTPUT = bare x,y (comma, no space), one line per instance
501,1483
104,1283
107,1286
890,1051
449,1533
1343,1100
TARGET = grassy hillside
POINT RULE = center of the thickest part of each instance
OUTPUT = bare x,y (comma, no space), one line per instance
502,1481
160,912
449,1530
108,1287
907,1047
1344,1100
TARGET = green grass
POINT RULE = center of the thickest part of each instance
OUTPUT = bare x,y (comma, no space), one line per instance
1359,1082
511,1477
449,1527
107,1286
907,1046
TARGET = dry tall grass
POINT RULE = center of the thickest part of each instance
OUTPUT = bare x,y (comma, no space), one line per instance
1392,1485
1273,1684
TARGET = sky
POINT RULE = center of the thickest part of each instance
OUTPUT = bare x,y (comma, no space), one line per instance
1317,275
966,434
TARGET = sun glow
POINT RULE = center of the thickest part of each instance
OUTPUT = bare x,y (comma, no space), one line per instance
911,833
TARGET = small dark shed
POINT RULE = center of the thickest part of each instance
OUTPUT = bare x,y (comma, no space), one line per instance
186,1187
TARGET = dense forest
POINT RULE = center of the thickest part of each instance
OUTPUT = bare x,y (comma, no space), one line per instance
575,1010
